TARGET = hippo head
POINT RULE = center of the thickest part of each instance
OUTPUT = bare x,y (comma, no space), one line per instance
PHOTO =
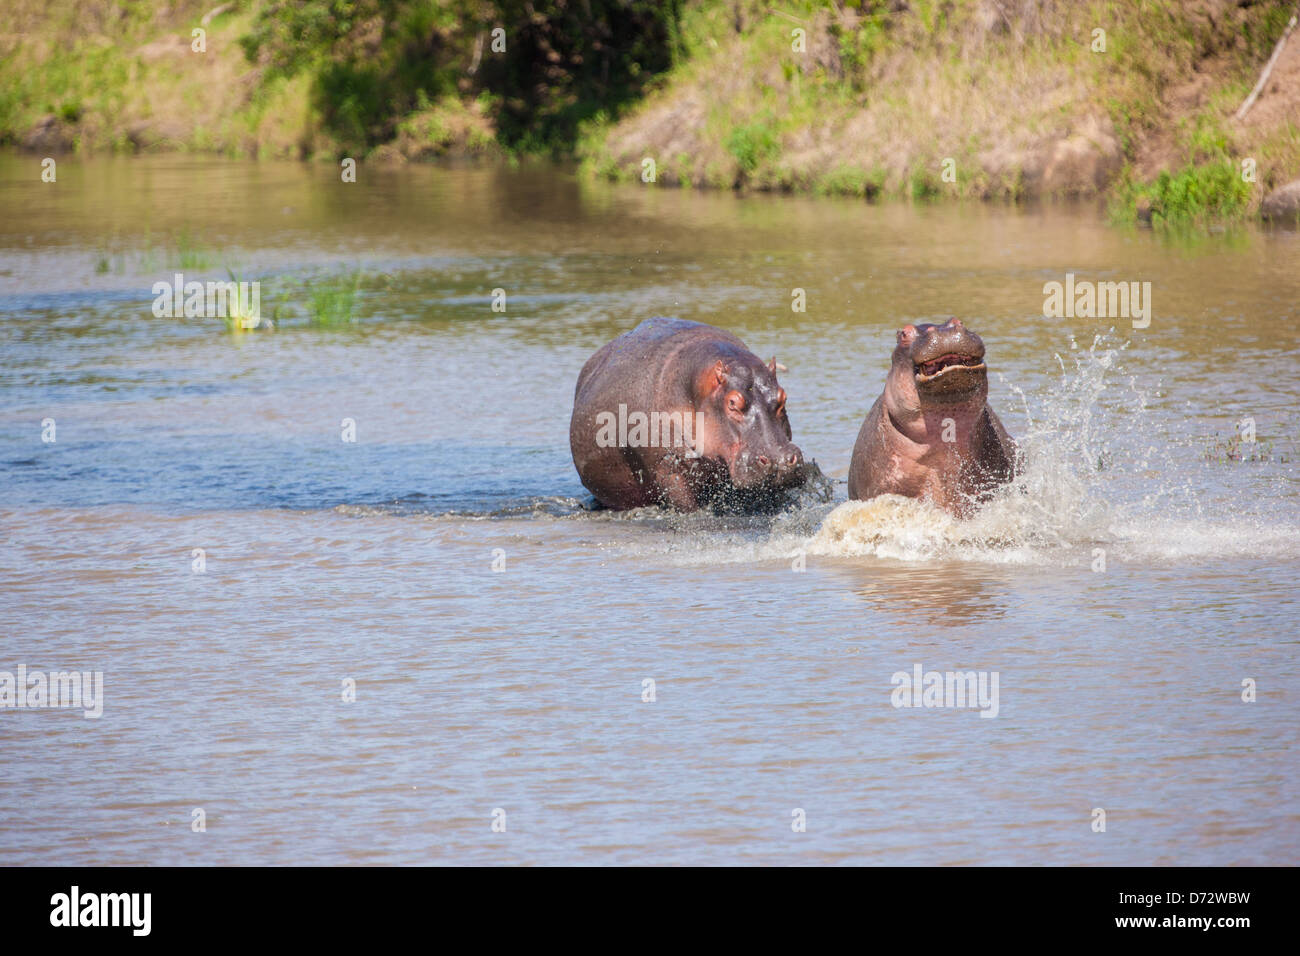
938,365
745,427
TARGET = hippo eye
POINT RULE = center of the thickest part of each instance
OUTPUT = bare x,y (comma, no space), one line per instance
780,401
736,403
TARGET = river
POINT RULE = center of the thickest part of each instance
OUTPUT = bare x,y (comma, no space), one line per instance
201,532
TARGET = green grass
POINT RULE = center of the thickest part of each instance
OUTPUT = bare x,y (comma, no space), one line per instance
333,302
1190,200
752,144
188,254
240,316
852,181
1198,195
1232,448
925,184
1209,189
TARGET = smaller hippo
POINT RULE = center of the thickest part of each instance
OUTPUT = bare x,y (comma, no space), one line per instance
681,414
931,433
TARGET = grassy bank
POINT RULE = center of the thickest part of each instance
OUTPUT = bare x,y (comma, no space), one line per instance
322,78
1129,99
972,99
99,76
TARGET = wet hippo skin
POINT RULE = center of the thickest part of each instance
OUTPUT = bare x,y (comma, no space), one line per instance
931,434
678,413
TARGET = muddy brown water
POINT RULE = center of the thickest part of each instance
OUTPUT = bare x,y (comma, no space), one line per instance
771,641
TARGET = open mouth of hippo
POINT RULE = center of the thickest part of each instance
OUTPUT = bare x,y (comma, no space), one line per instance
936,369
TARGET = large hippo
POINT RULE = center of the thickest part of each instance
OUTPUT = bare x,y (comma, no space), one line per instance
681,414
931,433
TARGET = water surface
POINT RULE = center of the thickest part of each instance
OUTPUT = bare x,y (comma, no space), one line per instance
521,689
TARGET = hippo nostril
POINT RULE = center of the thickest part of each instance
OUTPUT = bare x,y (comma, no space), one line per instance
764,460
792,459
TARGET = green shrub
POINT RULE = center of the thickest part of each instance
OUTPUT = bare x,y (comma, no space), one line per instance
750,145
1195,196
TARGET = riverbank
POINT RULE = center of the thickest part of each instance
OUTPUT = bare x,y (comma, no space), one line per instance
99,77
1130,101
996,99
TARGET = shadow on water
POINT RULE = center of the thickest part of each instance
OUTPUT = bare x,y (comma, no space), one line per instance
927,597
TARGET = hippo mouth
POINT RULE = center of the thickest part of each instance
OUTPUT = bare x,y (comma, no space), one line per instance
935,369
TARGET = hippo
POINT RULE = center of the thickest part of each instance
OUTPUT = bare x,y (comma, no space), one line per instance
680,414
931,434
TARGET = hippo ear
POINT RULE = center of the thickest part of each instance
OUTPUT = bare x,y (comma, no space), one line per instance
712,378
774,366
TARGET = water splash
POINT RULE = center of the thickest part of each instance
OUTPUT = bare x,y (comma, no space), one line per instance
1102,479
1106,470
